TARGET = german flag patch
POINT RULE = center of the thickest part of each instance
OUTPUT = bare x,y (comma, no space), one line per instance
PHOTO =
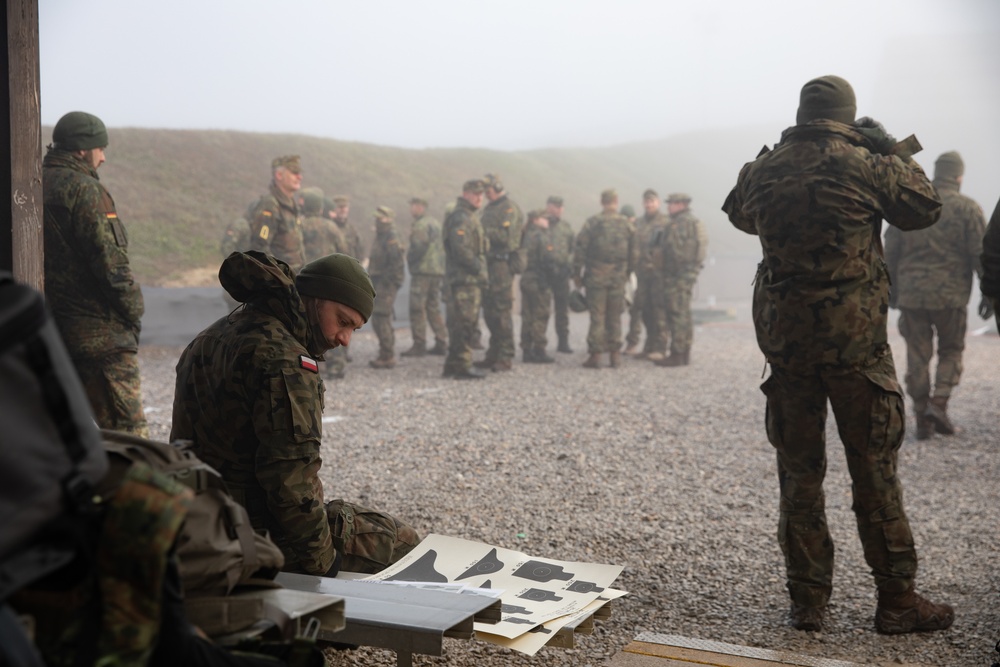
308,363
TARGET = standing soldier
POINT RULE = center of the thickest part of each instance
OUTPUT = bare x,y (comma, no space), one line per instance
336,360
820,304
465,274
685,243
502,221
320,235
95,301
931,273
536,290
648,306
606,253
275,222
989,284
425,257
387,269
563,239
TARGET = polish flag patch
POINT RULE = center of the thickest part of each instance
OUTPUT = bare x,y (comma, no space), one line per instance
308,364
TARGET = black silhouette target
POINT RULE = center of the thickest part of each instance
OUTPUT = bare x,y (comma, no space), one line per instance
488,564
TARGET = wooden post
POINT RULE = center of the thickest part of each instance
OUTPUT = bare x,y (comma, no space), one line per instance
21,140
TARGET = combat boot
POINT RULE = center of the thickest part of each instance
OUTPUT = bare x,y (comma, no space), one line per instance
383,363
593,361
937,413
484,363
542,358
630,350
440,348
652,356
418,350
925,427
501,365
899,613
809,619
675,359
564,346
529,355
616,359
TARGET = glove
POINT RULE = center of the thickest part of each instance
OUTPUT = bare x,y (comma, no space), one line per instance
986,308
880,141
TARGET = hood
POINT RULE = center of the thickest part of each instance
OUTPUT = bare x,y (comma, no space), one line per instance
824,126
268,285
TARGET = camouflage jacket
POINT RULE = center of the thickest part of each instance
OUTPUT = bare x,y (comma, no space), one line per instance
321,237
606,250
502,223
539,249
685,243
990,259
563,240
464,246
236,238
249,396
932,268
648,236
815,202
95,301
352,238
425,256
276,228
386,263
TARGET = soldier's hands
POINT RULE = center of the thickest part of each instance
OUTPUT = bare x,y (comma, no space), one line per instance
986,308
881,141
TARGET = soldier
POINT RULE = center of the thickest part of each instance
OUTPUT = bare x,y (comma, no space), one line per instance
387,268
337,359
606,253
263,426
275,221
561,258
648,305
425,257
820,304
95,301
536,291
931,272
628,212
502,221
465,274
990,281
684,245
320,235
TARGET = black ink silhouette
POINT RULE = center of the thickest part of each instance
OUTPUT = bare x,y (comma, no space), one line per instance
580,586
536,570
488,564
539,595
514,609
421,570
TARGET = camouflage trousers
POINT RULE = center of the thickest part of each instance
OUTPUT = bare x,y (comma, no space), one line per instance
462,316
536,305
606,304
425,308
381,320
559,284
648,309
917,326
677,299
368,541
868,406
498,304
113,389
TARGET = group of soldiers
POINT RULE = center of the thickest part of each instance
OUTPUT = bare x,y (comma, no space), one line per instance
472,260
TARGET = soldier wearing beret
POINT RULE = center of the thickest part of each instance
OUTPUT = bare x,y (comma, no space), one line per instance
275,220
465,275
94,298
250,398
387,268
563,242
425,258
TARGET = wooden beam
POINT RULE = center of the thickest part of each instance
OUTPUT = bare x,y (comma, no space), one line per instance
21,136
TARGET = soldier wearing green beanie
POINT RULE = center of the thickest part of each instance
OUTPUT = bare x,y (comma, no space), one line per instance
262,424
95,300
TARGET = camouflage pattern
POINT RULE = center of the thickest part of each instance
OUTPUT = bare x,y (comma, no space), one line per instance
236,237
276,228
261,428
351,237
684,243
931,272
606,253
648,306
465,273
989,282
425,258
563,243
387,268
538,247
369,540
502,223
820,305
321,237
89,287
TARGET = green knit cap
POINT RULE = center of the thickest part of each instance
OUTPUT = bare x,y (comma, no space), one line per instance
949,165
827,97
312,201
339,278
79,131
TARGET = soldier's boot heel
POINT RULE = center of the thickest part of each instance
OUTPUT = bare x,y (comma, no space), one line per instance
937,412
593,361
900,613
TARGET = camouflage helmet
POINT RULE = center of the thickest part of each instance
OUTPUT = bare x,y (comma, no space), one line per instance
577,301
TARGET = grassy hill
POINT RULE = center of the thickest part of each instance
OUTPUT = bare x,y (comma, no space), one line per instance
176,190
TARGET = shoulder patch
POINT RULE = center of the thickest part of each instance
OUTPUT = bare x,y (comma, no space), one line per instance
266,213
112,214
308,363
264,232
460,232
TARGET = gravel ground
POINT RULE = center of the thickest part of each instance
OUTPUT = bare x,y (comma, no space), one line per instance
666,471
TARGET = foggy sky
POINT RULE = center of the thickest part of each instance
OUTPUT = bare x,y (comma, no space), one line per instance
509,75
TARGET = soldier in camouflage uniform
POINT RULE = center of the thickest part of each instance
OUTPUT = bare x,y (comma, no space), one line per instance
275,221
536,292
820,304
931,272
563,242
685,243
95,301
387,268
250,398
465,275
502,222
648,305
989,282
320,235
606,253
425,257
337,358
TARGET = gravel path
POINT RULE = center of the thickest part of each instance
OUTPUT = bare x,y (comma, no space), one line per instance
665,471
